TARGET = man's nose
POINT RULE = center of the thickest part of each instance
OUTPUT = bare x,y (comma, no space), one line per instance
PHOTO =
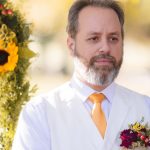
104,47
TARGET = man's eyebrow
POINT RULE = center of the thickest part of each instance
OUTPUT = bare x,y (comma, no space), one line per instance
115,33
99,33
94,33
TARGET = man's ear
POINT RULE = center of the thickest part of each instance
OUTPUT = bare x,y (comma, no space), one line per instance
71,45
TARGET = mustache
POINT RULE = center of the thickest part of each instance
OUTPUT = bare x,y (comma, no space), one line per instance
103,56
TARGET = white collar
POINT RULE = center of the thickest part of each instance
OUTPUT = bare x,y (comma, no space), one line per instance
85,91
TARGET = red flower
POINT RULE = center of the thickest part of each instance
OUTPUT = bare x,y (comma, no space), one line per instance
1,6
9,12
4,12
128,136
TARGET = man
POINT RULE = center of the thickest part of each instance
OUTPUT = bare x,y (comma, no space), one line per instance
71,117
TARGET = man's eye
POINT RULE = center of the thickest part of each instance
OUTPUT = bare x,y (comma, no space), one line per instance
113,39
94,39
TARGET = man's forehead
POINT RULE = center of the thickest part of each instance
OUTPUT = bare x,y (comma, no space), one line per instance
96,19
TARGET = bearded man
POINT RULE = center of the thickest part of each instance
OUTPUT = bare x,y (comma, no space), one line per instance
89,111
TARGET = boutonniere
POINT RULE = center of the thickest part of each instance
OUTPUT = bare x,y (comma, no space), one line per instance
136,136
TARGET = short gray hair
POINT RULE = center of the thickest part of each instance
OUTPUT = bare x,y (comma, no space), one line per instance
77,6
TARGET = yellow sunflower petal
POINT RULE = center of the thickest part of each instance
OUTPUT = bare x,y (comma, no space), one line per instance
12,49
1,44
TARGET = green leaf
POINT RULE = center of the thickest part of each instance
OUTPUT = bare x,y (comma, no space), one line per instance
26,53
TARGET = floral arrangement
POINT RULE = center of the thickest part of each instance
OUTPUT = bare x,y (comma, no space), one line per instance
137,136
14,61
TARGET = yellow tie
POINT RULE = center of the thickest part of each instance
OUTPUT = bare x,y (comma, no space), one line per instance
97,114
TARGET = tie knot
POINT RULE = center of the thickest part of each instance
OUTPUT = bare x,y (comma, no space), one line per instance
96,97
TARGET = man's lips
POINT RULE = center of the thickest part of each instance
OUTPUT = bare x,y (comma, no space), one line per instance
103,61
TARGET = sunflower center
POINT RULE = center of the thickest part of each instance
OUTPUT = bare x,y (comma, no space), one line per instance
3,57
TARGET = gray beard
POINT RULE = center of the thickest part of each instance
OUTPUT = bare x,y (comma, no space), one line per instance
96,76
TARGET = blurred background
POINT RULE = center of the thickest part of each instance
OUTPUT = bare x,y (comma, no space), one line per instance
53,66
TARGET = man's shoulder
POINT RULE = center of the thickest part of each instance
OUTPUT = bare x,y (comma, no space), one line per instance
58,94
131,94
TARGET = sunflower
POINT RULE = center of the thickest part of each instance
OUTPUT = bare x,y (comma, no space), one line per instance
8,57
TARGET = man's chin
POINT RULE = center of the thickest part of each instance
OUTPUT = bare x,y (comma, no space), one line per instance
103,67
99,82
102,78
